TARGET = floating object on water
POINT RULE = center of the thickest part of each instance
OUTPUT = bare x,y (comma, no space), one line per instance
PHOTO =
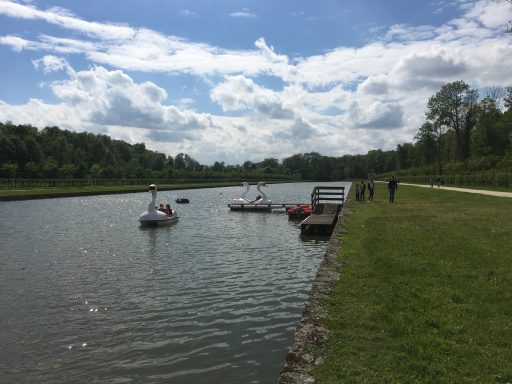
300,212
262,203
153,216
182,200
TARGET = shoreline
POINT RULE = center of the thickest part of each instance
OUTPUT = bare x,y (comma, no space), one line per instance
52,194
310,333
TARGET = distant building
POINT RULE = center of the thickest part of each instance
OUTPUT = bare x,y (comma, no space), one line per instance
297,174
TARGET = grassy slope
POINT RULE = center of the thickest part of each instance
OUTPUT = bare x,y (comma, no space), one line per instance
41,193
425,294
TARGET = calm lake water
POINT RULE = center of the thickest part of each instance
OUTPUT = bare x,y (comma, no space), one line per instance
88,296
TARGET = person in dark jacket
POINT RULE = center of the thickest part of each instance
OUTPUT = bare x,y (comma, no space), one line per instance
371,187
392,186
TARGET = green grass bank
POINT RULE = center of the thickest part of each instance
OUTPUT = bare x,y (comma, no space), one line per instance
425,292
43,193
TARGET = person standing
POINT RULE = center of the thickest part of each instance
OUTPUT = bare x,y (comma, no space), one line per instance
362,190
357,192
392,186
371,187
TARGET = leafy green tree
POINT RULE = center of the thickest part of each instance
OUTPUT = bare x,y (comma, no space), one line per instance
405,155
249,165
81,171
66,171
294,163
31,169
453,107
376,161
96,171
219,166
179,161
50,168
33,148
426,144
7,149
9,170
487,138
134,170
61,150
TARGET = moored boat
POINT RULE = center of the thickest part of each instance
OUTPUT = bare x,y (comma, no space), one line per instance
300,212
260,203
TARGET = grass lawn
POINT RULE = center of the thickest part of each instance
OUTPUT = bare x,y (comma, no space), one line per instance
425,293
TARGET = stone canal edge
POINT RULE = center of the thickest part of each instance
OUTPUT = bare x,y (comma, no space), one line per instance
309,332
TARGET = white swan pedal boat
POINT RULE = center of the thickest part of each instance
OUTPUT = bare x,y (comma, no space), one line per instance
262,203
155,217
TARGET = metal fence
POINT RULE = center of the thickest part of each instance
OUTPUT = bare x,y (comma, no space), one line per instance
13,184
85,183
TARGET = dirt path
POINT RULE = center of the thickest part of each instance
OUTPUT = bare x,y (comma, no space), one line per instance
468,190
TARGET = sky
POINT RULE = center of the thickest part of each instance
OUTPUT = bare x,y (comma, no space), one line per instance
245,80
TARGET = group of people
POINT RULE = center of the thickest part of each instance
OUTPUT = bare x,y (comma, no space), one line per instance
438,181
256,199
165,209
361,190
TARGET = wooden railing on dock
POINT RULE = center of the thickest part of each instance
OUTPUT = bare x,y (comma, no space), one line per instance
322,194
327,203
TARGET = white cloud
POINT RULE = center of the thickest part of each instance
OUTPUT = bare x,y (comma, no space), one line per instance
428,69
16,43
374,85
346,100
245,13
99,99
407,33
240,93
65,19
377,115
492,14
50,63
187,13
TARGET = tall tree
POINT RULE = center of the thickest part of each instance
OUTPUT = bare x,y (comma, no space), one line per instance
485,138
426,143
453,106
434,131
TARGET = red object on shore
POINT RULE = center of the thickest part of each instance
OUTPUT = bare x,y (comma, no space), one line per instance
300,212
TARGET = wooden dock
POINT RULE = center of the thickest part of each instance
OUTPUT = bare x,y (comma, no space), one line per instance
261,207
327,203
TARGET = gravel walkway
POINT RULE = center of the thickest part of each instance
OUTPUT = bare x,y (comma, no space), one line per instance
468,190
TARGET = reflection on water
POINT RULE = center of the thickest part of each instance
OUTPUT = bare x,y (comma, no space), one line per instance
87,295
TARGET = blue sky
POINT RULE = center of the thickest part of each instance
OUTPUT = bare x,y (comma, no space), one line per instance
245,80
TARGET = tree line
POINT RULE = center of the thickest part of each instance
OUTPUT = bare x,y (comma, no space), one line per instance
461,134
